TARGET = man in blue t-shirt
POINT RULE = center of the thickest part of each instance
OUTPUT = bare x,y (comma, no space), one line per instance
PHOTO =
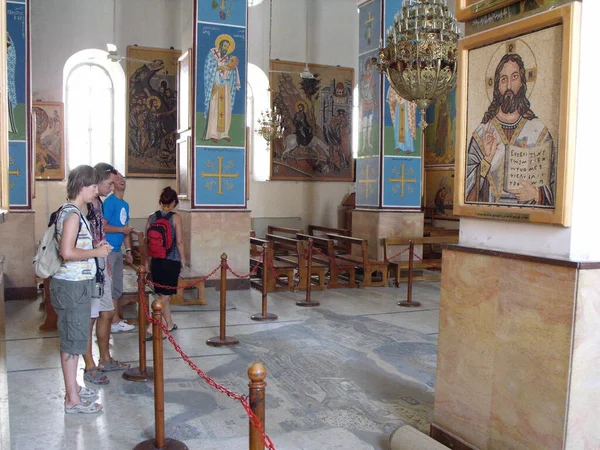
116,216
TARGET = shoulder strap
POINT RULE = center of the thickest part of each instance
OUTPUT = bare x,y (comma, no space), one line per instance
169,215
157,215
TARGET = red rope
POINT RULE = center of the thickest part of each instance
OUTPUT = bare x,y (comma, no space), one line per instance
243,399
252,272
203,279
425,261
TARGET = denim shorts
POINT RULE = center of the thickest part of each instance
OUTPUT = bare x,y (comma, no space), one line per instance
72,302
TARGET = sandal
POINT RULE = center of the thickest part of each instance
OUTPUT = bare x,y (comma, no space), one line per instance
149,337
86,392
174,327
84,408
95,376
111,365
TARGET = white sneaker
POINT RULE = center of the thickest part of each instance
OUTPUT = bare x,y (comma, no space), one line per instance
121,326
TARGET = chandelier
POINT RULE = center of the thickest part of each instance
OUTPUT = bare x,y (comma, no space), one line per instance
270,125
420,59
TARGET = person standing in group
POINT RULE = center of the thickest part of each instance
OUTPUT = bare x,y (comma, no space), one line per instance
116,214
72,285
102,308
165,256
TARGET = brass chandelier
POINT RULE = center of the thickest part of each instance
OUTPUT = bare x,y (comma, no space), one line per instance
420,59
270,125
270,122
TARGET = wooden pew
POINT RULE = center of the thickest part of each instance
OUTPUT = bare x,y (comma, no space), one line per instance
294,251
324,253
280,274
395,267
362,260
317,230
286,232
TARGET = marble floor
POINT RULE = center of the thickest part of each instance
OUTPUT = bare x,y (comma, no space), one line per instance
342,376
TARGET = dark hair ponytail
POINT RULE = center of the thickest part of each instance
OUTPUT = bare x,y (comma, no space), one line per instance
168,196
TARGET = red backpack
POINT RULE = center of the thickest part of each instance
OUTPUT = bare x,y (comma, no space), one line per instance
160,236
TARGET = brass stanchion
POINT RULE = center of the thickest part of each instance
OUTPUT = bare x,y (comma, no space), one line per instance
308,302
264,315
409,302
159,442
141,373
257,373
222,340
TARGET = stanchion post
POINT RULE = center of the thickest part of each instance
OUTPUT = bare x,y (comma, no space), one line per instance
257,374
159,442
264,315
409,302
308,301
141,373
222,340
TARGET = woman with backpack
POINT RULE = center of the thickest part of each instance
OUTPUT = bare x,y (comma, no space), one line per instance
72,284
165,256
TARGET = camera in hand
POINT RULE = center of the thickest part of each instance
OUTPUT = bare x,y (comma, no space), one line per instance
98,290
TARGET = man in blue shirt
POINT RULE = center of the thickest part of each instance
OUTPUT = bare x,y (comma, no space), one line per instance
116,214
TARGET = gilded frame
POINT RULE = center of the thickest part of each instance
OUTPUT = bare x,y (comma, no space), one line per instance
470,9
560,214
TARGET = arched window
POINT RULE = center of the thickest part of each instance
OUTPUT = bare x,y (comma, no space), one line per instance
94,96
258,100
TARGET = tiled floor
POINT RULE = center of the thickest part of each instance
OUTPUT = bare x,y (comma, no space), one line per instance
198,415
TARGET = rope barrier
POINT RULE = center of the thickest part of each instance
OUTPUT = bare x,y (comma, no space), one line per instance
243,399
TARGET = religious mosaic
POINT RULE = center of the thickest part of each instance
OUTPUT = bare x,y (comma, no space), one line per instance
515,160
402,182
317,116
221,86
16,78
440,134
439,192
49,140
151,112
220,176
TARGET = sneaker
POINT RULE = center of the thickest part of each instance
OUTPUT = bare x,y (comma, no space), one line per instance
121,326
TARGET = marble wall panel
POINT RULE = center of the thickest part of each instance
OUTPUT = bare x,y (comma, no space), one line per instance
504,350
216,232
375,225
583,431
19,246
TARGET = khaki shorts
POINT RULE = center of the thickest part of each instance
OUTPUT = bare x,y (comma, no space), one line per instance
115,261
71,301
105,303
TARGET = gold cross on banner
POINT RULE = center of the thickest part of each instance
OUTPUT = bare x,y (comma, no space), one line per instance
367,182
370,19
402,180
16,172
220,175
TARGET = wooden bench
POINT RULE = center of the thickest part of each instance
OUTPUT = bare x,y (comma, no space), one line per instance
361,260
317,230
188,277
280,274
287,232
324,253
397,266
294,251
